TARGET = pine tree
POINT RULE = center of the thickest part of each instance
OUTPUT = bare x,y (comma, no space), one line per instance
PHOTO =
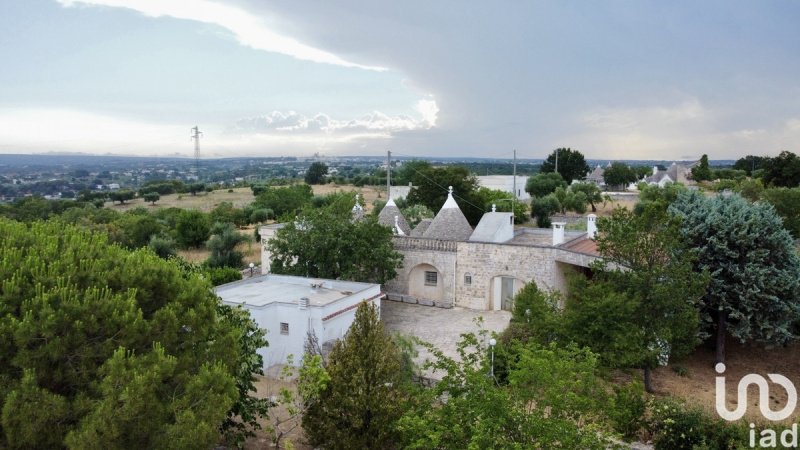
363,400
754,293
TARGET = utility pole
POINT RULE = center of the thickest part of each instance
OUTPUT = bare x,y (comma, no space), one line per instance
388,175
556,160
514,198
196,133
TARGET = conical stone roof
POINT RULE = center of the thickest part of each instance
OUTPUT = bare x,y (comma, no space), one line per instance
449,223
387,217
421,227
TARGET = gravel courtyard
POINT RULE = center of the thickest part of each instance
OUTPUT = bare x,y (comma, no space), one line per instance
441,327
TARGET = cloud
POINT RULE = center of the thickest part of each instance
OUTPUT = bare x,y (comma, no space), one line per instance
375,123
250,30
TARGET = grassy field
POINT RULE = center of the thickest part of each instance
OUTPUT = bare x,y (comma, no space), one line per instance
240,197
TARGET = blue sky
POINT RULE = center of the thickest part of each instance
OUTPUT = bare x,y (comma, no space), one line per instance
615,79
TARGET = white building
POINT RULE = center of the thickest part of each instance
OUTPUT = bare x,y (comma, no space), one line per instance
505,183
290,307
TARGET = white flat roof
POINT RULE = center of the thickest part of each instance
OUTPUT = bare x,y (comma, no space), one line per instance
265,289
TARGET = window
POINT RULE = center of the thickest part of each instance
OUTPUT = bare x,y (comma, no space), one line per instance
467,279
431,278
284,328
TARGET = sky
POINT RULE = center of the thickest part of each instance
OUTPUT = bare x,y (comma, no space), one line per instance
614,79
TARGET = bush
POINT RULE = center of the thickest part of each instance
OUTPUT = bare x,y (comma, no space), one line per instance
192,228
628,409
222,275
676,426
223,246
162,245
261,215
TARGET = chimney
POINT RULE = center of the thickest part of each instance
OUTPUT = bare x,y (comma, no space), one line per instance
558,233
303,304
591,226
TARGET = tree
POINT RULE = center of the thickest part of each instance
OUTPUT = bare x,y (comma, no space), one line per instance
701,172
431,186
324,243
787,204
530,411
645,258
750,163
162,245
223,244
109,348
544,207
619,175
591,191
408,171
194,188
135,228
571,164
121,195
754,292
363,399
414,214
571,200
289,200
316,173
192,228
543,184
782,170
152,197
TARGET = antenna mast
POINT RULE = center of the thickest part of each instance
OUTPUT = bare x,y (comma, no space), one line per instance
196,133
388,175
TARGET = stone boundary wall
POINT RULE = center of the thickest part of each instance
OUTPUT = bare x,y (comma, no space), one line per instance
446,303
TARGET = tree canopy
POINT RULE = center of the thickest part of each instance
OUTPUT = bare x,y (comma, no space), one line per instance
325,243
316,173
571,164
431,186
542,184
754,292
782,170
619,175
103,347
701,172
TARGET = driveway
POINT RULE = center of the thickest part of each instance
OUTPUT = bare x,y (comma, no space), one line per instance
441,327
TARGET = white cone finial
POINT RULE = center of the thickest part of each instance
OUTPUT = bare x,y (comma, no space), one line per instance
494,207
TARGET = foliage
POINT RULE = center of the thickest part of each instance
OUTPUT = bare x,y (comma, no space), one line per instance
408,171
194,188
242,418
786,202
479,413
222,275
676,426
701,172
151,197
571,200
750,163
544,183
645,258
222,244
134,229
782,170
325,243
571,164
658,197
225,212
503,201
727,174
414,214
121,195
192,228
619,175
121,348
431,186
289,200
591,191
544,207
261,215
162,245
628,408
316,173
362,401
754,293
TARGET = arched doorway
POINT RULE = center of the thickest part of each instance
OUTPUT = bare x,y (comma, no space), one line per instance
425,281
503,290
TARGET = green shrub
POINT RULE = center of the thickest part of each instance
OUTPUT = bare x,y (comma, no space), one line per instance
676,426
682,371
628,409
222,275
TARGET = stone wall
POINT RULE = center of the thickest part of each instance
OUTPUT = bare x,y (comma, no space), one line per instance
439,254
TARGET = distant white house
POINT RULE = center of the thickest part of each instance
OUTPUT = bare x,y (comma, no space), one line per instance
505,183
290,307
676,173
